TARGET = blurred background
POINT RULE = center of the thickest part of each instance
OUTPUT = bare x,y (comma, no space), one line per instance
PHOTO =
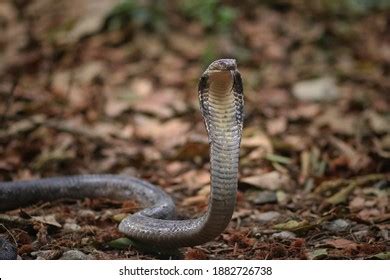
111,87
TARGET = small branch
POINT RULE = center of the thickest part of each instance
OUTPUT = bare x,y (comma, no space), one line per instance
9,100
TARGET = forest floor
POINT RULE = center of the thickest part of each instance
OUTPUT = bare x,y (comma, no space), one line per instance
80,94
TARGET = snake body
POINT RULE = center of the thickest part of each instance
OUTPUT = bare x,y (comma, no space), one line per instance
221,102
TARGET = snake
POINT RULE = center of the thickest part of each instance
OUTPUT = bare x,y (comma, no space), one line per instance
221,99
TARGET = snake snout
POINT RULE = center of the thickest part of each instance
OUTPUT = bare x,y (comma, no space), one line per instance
224,64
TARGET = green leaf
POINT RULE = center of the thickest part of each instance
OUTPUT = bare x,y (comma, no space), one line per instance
120,243
381,256
318,254
294,226
119,217
278,158
342,195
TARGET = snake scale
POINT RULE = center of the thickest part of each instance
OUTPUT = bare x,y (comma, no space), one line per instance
221,102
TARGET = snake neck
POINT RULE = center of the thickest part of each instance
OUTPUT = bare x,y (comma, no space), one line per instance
224,136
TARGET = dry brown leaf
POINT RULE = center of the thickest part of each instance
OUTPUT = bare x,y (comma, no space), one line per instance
163,103
87,16
174,167
342,244
307,111
48,220
377,122
255,139
356,160
165,135
296,142
276,126
369,214
200,200
186,45
357,203
195,179
270,181
195,254
87,72
382,146
337,122
170,69
115,107
194,147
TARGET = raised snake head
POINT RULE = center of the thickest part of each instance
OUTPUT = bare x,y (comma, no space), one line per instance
224,64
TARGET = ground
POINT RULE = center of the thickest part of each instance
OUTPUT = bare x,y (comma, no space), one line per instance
99,88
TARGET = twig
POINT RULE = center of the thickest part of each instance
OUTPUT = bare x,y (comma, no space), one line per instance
10,234
359,181
14,221
21,127
9,100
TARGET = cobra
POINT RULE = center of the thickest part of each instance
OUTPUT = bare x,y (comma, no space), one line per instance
221,102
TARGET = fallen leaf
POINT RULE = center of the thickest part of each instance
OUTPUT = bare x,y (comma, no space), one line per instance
120,243
270,181
357,203
304,111
87,72
278,158
22,126
116,107
294,226
377,122
369,214
119,217
342,195
342,244
282,197
186,45
254,139
317,254
381,256
200,200
163,104
382,146
276,126
48,220
195,179
336,121
195,146
195,254
91,17
356,160
165,135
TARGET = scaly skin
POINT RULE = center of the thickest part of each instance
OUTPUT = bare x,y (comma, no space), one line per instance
221,102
